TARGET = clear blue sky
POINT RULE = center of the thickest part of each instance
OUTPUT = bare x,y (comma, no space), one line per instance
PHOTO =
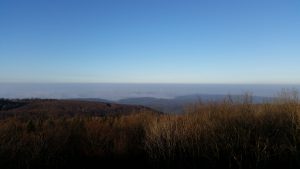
150,41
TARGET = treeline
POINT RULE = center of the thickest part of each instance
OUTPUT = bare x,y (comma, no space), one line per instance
6,104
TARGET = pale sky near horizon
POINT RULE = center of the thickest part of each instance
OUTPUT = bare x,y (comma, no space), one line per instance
150,41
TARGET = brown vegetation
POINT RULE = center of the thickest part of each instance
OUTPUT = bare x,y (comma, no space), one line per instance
29,108
228,135
211,135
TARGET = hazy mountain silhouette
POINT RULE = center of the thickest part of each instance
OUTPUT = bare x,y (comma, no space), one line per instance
177,104
100,106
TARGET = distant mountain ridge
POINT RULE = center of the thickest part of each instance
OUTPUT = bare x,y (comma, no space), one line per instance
100,107
177,104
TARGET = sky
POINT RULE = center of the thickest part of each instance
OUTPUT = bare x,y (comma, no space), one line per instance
150,41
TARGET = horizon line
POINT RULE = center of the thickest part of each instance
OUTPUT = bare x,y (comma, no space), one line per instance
154,83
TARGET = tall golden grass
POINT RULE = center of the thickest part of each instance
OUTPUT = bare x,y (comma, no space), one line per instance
229,134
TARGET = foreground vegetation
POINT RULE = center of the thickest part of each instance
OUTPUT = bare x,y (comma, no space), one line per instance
228,134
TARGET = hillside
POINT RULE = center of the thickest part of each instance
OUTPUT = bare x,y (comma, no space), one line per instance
51,107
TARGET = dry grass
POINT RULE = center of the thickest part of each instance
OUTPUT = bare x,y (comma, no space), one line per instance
76,142
229,134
